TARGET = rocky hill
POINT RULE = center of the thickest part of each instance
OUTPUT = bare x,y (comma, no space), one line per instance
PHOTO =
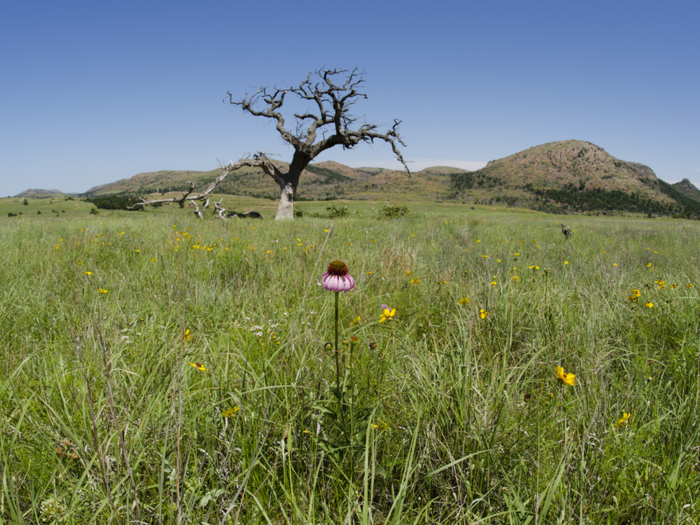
573,175
688,189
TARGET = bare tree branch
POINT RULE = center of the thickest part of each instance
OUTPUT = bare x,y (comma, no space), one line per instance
334,101
197,211
221,212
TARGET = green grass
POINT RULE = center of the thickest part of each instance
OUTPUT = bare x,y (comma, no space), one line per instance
442,416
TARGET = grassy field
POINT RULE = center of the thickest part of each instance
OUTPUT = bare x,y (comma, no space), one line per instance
161,369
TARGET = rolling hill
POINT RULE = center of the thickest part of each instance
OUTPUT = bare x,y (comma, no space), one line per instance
42,194
320,181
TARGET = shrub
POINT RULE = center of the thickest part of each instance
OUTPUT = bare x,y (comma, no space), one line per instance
94,211
393,212
335,213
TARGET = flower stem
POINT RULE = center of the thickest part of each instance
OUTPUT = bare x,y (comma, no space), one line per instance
337,364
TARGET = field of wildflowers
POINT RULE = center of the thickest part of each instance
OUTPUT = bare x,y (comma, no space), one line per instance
160,369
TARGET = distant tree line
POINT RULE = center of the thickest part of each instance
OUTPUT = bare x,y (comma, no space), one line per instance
475,179
599,199
114,202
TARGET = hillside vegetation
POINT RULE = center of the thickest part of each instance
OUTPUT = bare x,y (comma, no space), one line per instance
688,189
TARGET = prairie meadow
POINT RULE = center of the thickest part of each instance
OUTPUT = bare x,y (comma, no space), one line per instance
157,368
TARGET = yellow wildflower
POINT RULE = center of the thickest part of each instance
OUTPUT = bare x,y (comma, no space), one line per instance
386,313
229,412
483,313
199,366
464,300
623,421
569,379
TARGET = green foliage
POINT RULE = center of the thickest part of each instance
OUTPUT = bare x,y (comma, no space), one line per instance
115,202
598,199
462,181
393,211
336,212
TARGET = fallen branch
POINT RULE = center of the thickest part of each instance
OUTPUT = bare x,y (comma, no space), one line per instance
260,159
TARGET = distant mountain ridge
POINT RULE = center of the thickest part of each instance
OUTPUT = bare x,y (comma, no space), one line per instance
578,176
565,176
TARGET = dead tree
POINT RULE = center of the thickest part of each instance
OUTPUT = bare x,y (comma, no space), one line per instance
329,123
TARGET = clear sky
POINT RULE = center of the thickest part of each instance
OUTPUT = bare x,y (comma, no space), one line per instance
92,92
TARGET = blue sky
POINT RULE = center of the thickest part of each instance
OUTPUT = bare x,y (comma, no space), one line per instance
92,92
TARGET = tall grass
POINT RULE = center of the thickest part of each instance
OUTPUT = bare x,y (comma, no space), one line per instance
159,369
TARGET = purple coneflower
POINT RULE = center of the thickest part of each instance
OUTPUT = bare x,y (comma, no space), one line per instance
337,278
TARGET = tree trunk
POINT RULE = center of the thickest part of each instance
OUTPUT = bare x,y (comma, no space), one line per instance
285,208
288,187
